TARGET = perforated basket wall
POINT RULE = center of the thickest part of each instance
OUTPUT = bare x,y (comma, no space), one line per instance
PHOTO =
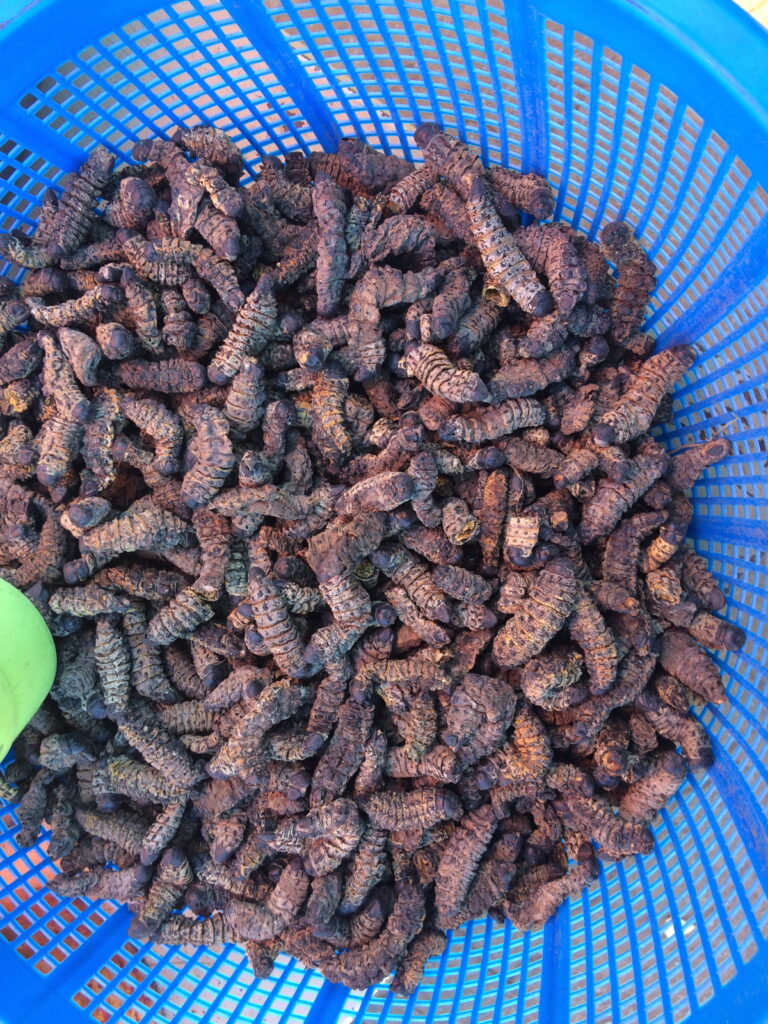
632,111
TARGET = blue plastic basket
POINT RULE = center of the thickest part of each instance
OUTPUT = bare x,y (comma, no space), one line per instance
632,110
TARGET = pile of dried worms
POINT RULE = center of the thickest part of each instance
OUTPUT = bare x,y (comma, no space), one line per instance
368,581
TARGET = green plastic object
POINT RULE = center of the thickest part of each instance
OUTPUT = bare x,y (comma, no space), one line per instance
27,663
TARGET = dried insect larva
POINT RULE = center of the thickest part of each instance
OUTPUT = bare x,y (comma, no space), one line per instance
382,287
407,235
474,329
680,728
142,527
189,931
650,793
453,299
359,167
162,426
509,275
621,558
186,191
366,868
349,602
344,544
31,809
179,329
585,721
62,751
550,600
329,428
550,250
601,513
579,463
447,214
669,538
637,279
91,304
600,284
590,631
492,515
82,353
407,572
449,157
188,717
527,757
326,849
324,897
58,443
142,312
213,535
113,663
220,275
179,618
663,584
89,601
293,199
214,457
717,633
275,625
59,381
381,492
460,860
404,195
633,413
263,921
115,341
437,373
344,753
488,425
74,212
700,582
521,377
530,458
332,260
133,205
528,192
366,965
553,680
161,832
213,145
397,810
124,776
20,396
686,468
158,748
20,360
126,830
462,584
168,376
172,877
222,233
262,956
65,831
493,877
23,253
613,761
246,398
512,592
544,899
459,524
